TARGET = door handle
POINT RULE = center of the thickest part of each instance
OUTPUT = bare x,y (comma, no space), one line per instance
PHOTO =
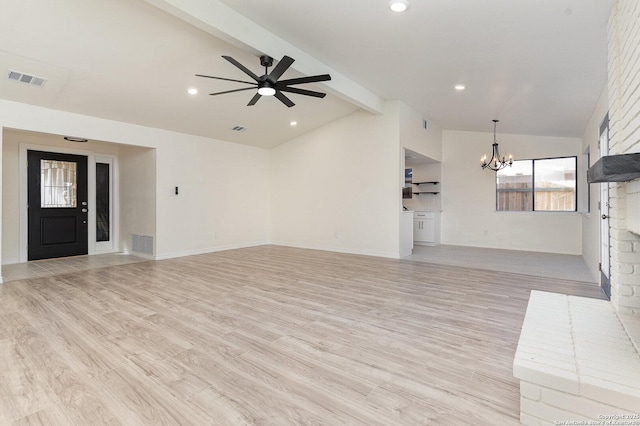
604,216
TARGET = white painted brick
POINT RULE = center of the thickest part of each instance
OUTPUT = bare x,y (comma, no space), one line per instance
622,235
563,353
629,301
629,280
546,376
595,333
625,290
529,420
530,391
576,404
625,246
628,257
547,412
623,39
609,393
626,268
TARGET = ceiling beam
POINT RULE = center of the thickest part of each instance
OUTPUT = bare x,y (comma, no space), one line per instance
228,25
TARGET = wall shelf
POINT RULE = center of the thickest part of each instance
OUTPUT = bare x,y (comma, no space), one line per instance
422,183
426,192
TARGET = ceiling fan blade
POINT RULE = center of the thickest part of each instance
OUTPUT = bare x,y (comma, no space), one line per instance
254,99
231,91
284,99
244,69
279,69
309,79
302,91
226,79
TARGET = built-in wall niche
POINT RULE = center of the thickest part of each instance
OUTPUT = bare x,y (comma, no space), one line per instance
426,183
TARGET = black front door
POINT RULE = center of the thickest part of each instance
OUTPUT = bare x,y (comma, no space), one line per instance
57,196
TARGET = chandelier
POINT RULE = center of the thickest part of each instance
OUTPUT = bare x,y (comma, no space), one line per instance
496,162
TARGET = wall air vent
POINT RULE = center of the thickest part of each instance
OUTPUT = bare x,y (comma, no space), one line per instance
21,77
238,128
142,244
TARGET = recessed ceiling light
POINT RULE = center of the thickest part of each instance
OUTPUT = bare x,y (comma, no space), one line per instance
459,87
293,123
399,5
192,91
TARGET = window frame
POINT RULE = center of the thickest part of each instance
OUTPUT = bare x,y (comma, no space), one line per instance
533,187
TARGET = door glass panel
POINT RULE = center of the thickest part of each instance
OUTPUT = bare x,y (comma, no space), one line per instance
102,202
58,185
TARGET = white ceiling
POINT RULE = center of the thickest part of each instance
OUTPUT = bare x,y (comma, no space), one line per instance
538,66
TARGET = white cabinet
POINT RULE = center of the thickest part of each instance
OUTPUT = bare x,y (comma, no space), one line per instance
426,227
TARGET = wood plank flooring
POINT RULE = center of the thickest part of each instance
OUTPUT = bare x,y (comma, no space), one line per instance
265,336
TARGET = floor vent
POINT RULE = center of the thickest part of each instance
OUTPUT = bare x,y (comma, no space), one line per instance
26,78
142,244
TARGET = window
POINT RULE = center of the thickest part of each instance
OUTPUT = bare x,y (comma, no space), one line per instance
58,184
103,195
547,184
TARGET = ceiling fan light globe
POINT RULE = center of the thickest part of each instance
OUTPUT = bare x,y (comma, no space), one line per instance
266,91
399,5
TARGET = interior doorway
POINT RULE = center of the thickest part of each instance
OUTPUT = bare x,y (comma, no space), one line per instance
57,187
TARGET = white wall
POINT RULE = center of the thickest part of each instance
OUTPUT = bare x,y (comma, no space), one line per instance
226,187
413,136
469,215
591,220
10,198
338,187
223,199
137,189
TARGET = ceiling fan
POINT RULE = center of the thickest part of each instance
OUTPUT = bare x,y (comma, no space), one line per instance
268,84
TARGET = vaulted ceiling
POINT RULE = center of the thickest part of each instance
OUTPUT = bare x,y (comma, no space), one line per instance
538,66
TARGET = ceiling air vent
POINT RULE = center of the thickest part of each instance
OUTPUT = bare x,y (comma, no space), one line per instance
238,128
26,78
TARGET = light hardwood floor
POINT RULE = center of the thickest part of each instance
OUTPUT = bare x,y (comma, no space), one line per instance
266,335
